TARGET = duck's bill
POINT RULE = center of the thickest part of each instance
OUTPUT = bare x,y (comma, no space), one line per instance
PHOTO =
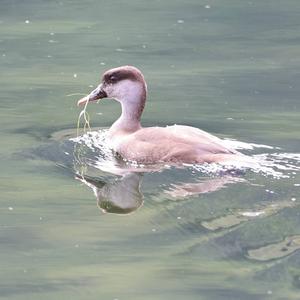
96,94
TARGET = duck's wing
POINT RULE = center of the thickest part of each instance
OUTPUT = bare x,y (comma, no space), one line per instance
183,135
194,135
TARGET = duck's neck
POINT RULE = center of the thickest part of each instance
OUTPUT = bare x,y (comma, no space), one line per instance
132,109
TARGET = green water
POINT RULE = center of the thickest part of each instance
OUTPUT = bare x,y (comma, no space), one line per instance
228,67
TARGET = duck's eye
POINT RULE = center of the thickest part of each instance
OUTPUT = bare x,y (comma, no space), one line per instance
112,78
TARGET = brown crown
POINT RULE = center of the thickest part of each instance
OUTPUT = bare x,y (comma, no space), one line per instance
125,72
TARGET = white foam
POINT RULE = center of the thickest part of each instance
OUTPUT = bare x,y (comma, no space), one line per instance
237,145
94,140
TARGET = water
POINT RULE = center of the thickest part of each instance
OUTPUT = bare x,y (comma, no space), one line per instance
228,67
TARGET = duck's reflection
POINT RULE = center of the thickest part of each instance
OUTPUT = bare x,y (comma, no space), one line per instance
121,196
183,190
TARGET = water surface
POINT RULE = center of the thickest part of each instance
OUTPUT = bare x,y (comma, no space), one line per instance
231,68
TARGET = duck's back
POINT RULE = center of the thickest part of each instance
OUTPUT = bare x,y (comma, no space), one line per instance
177,143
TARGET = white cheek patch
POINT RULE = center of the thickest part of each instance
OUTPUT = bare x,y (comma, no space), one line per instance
125,90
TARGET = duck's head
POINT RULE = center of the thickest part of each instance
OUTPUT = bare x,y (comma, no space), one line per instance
125,84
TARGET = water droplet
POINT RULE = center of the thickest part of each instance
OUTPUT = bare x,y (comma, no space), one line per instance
10,208
27,21
75,75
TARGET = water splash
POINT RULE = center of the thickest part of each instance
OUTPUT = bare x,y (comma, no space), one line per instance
275,164
92,149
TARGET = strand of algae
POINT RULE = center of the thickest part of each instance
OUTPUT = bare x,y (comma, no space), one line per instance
86,118
83,114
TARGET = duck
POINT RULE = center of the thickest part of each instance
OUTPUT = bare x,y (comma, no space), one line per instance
176,144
